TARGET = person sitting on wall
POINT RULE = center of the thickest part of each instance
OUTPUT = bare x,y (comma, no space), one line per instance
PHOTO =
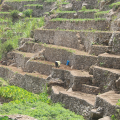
57,64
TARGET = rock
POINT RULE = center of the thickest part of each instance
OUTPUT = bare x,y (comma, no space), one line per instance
67,7
118,83
105,118
49,77
54,82
96,115
6,7
13,64
51,41
4,62
75,15
91,70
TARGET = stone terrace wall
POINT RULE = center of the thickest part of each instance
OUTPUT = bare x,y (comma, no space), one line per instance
53,53
19,5
79,25
28,82
72,39
109,109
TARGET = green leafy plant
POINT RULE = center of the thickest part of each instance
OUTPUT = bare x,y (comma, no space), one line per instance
14,13
28,12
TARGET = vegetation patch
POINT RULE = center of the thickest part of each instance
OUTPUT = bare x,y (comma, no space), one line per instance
10,32
98,14
116,5
64,19
34,105
89,10
35,5
18,0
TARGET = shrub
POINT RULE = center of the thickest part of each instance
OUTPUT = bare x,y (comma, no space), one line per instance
14,13
83,8
9,47
28,12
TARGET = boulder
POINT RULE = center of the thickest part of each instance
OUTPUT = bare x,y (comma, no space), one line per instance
67,7
96,114
118,83
53,82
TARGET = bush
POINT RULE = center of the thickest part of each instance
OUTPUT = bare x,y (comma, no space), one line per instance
14,13
83,8
9,47
28,12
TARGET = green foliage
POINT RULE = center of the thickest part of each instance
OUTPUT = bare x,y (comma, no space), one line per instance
117,4
9,47
11,34
14,13
34,105
83,8
5,118
64,19
28,12
113,117
118,102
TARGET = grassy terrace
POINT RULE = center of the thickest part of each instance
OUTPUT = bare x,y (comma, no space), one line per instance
19,0
4,12
93,30
23,26
114,4
34,105
101,13
64,19
65,12
36,5
89,10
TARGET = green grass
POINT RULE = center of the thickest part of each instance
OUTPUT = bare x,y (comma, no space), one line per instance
65,11
18,0
34,105
101,13
114,4
64,19
89,10
36,5
4,12
23,27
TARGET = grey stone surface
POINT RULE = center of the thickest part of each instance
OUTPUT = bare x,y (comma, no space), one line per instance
109,104
109,61
79,25
74,39
28,82
105,78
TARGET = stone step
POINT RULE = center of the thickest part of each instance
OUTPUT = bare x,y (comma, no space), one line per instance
109,60
90,89
108,102
4,14
86,14
38,9
66,14
78,24
19,5
81,40
78,102
78,59
99,49
33,82
71,77
105,78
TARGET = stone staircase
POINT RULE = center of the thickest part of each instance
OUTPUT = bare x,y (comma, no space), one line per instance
90,80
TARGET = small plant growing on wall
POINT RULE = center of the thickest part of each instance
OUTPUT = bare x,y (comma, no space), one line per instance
14,13
28,12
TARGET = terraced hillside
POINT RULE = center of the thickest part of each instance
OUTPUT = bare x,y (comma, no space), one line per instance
85,32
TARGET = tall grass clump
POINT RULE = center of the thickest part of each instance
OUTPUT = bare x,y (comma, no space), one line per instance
28,12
